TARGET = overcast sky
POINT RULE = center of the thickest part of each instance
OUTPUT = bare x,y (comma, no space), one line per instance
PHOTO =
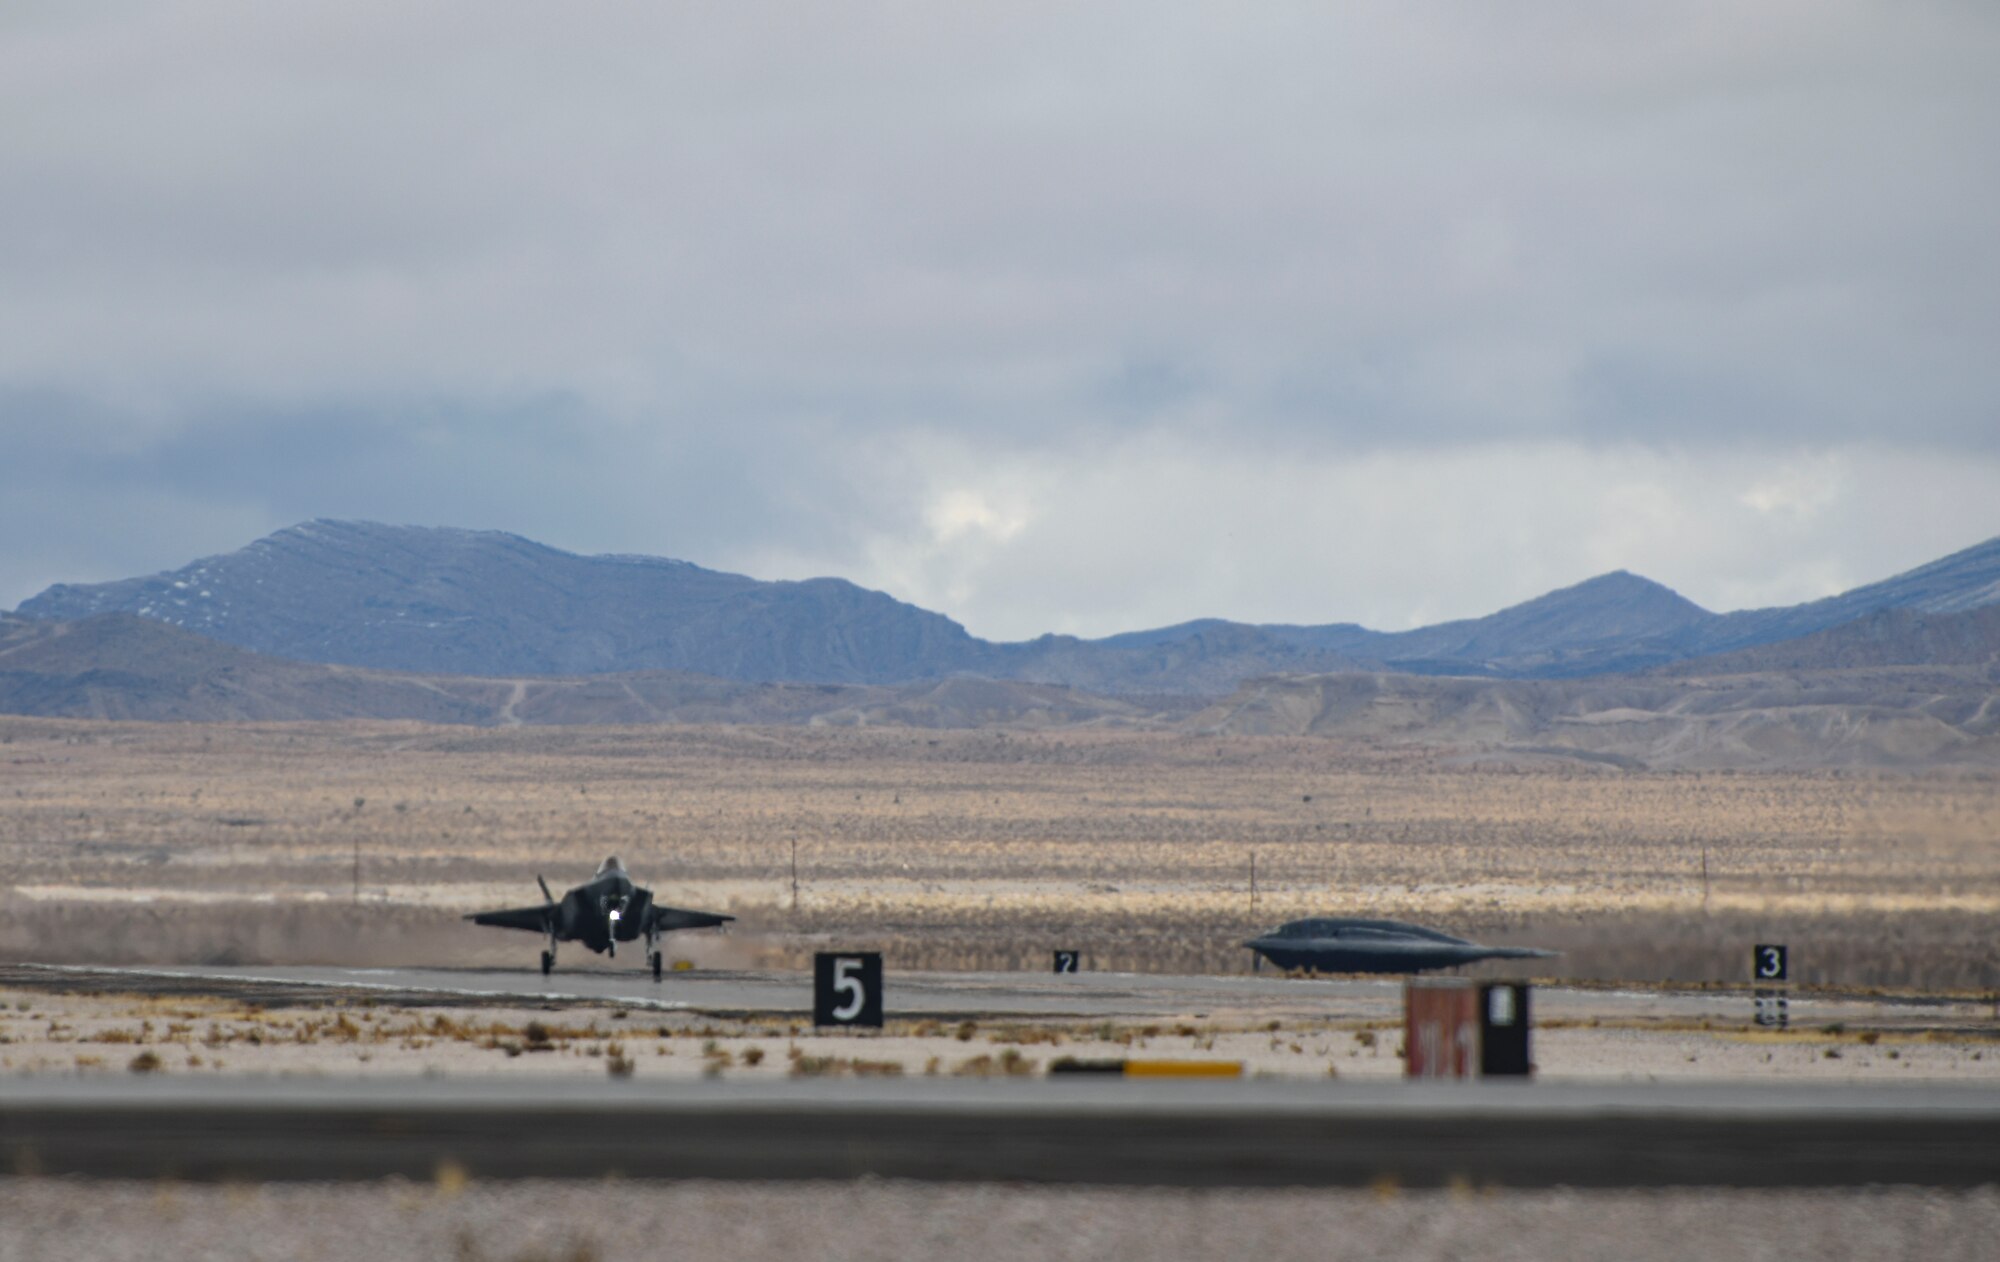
1057,317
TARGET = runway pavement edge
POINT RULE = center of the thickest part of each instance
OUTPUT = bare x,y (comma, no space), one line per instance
1188,1134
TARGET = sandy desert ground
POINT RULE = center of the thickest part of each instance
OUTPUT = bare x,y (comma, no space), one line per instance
364,843
49,1031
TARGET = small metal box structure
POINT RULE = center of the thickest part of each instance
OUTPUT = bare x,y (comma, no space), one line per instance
1456,1028
1440,1028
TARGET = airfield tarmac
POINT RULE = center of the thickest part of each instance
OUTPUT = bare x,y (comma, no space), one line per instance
1071,1130
1086,996
754,1025
1903,1085
365,1073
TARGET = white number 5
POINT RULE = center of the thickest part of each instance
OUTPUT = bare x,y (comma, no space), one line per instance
842,981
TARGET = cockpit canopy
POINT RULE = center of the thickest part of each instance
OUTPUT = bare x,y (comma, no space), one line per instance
611,865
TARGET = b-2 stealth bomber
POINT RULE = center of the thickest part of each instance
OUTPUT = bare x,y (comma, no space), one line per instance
1347,944
601,913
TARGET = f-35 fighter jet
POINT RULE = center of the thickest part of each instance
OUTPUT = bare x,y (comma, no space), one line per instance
606,910
1345,944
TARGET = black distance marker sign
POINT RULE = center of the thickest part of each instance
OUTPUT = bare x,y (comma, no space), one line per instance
1069,961
1770,973
847,988
1768,963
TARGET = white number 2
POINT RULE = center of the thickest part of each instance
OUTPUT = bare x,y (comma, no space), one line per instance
844,981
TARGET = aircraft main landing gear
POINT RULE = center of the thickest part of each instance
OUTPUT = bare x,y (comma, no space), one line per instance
548,962
656,965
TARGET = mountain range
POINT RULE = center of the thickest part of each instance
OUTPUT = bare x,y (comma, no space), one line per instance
440,601
119,666
1865,694
1903,673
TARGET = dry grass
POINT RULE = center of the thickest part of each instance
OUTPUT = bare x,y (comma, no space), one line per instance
969,849
806,1066
1009,1063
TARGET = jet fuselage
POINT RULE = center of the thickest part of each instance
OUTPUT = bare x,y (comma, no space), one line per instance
608,908
1347,944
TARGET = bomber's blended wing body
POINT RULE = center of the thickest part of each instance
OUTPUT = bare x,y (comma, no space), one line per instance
602,912
1348,944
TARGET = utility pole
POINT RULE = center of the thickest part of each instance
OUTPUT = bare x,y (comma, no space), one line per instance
357,871
1704,880
1253,882
795,876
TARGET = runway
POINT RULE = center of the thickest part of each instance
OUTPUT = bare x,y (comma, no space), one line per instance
1189,1134
750,994
941,996
1095,1131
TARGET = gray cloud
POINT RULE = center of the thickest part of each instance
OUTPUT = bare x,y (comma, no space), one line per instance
1053,318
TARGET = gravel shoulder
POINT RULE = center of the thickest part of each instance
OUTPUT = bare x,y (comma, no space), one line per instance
57,1221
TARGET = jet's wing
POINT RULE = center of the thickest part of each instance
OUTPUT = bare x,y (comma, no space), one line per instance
668,919
535,919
